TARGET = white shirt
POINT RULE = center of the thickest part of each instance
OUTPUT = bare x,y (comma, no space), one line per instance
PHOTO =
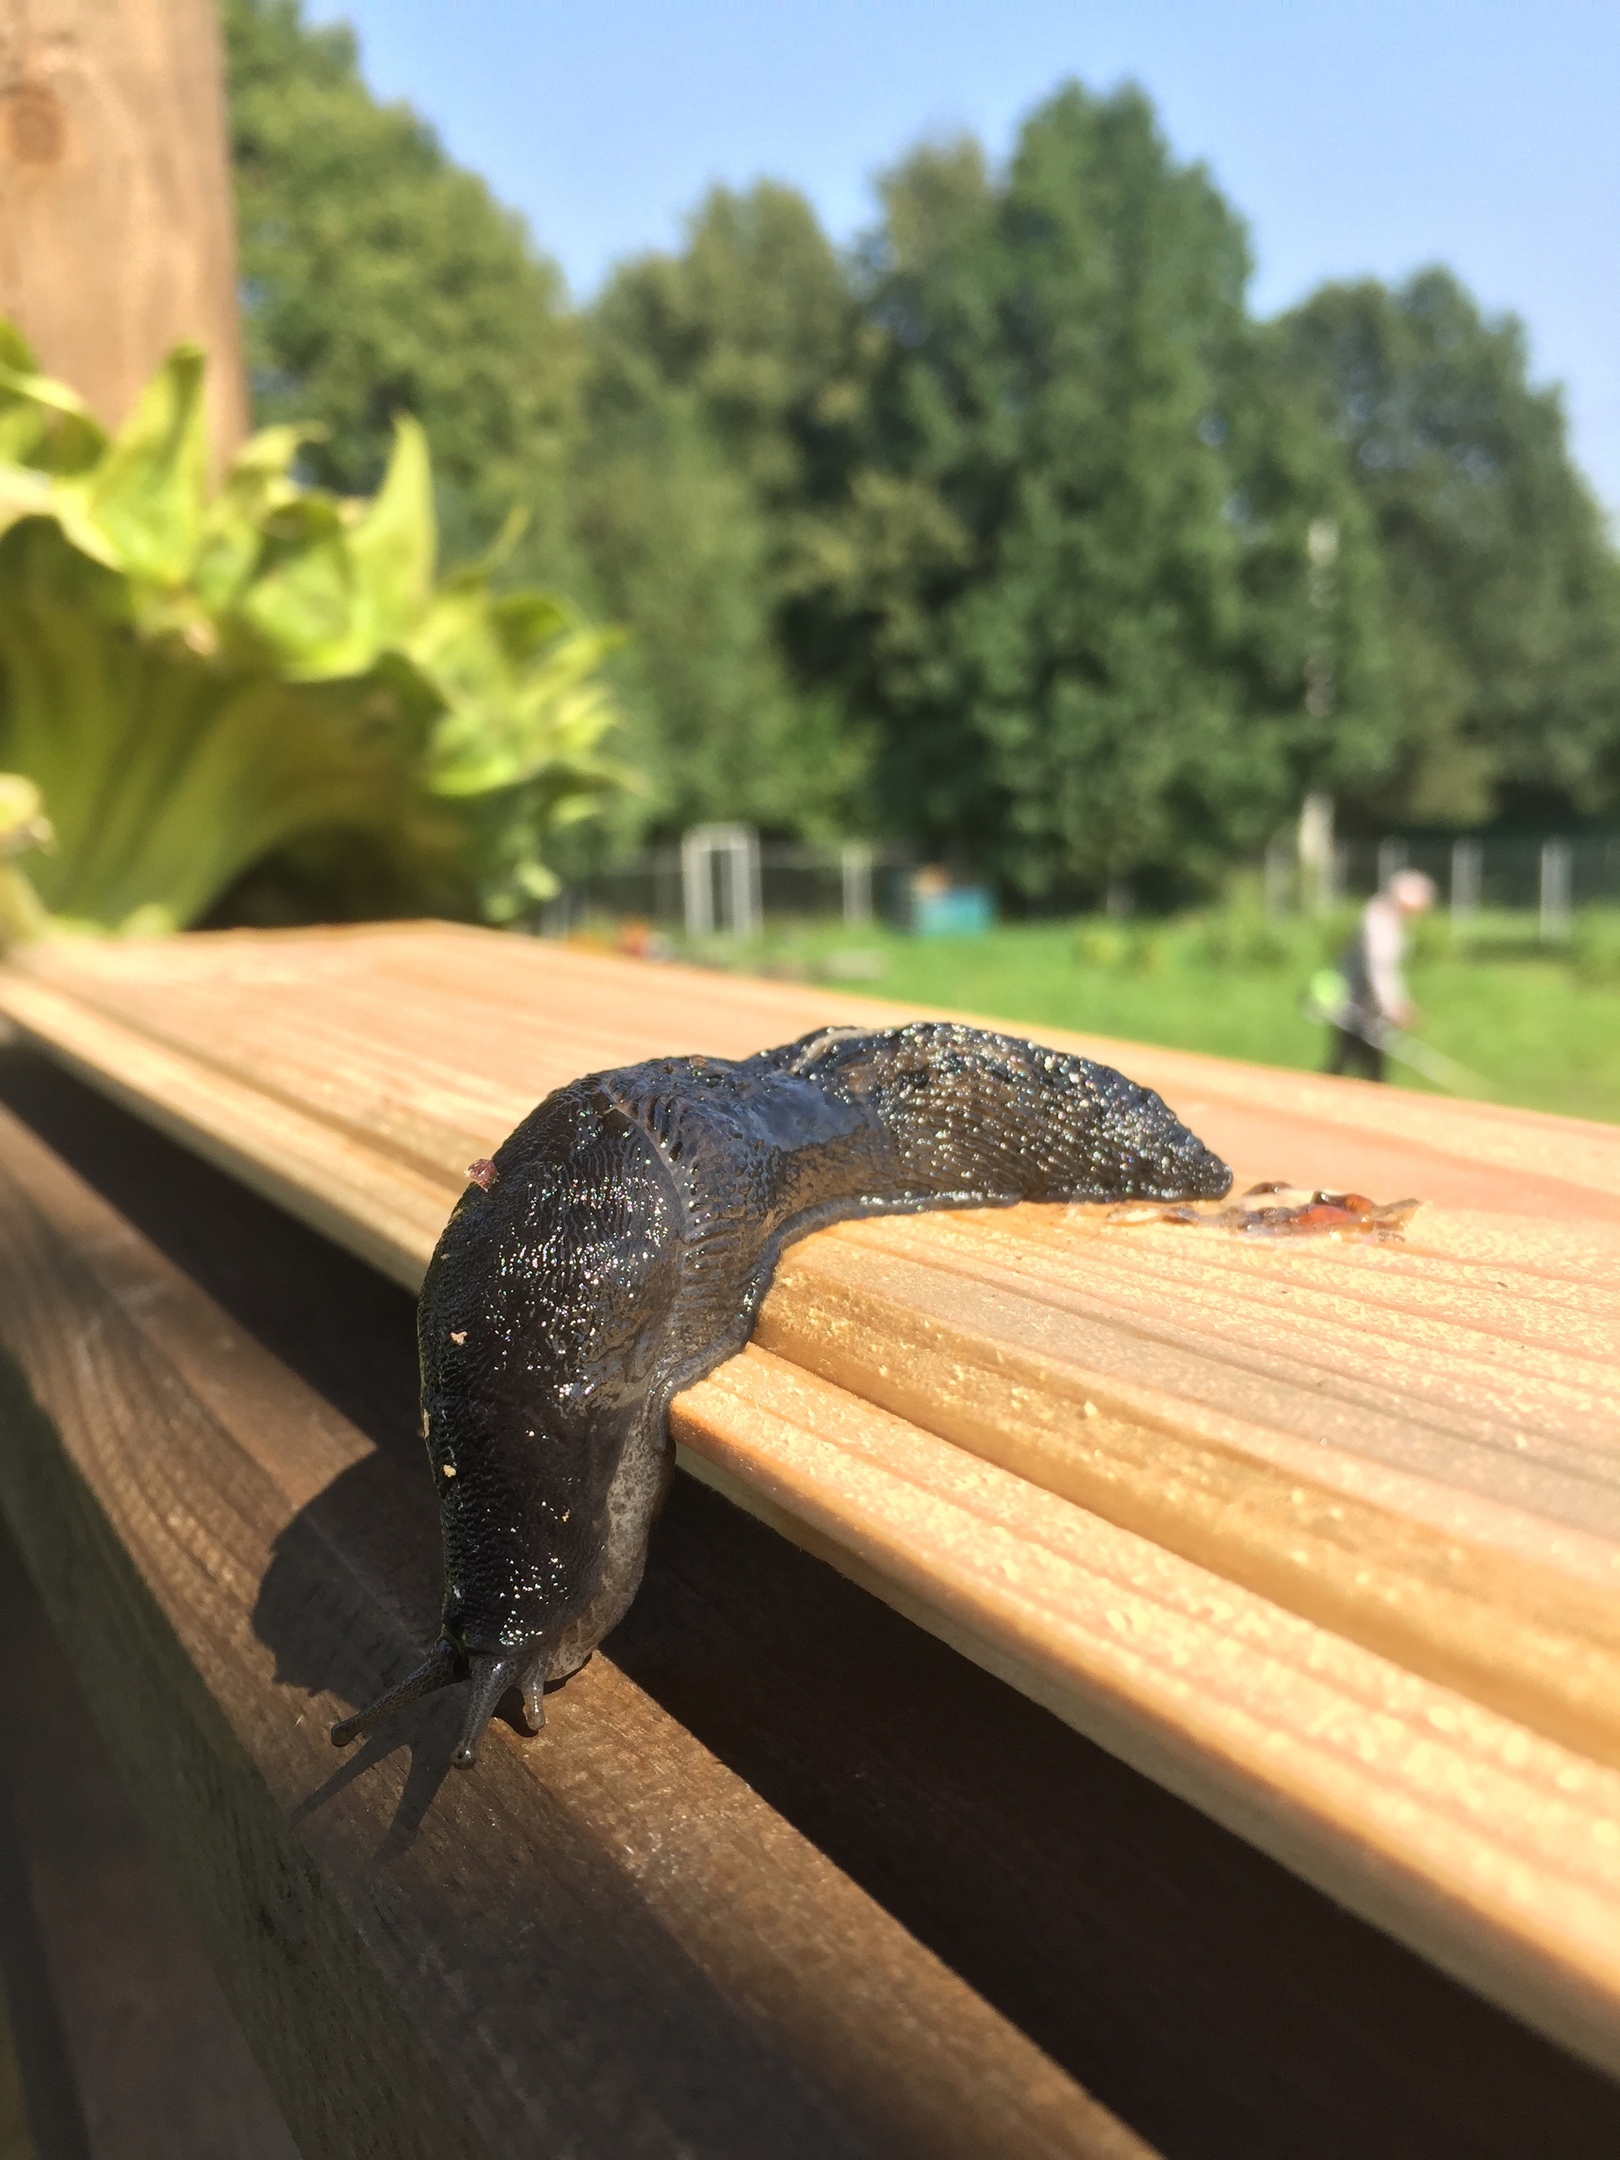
1383,942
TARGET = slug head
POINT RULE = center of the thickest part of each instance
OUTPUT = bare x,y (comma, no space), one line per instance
1143,1151
992,1117
491,1674
537,1326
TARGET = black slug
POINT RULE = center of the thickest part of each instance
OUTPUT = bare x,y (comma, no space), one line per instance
618,1247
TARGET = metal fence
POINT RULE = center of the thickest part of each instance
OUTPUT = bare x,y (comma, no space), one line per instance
1549,875
722,880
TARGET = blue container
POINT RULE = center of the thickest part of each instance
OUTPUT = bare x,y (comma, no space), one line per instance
963,911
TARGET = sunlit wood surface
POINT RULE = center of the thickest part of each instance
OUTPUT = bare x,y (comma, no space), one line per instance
1325,1536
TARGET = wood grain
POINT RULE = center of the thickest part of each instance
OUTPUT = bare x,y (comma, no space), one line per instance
1407,1452
1105,1414
158,2065
116,232
1491,1850
608,1945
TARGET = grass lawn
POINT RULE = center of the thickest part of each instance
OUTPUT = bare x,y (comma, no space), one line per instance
1527,1024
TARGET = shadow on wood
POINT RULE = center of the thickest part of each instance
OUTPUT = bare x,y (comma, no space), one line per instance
127,2048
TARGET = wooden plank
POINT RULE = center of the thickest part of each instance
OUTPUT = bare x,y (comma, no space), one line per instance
352,1077
477,1022
428,1963
388,1212
158,2065
1409,1451
1494,1852
1106,1415
1200,1990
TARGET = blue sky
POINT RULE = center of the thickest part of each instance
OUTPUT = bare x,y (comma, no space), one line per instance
1355,138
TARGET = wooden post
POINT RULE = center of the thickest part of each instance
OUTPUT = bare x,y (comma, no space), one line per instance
116,226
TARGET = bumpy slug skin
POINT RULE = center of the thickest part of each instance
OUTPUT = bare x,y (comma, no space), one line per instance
618,1247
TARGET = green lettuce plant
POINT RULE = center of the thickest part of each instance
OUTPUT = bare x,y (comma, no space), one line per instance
192,681
23,825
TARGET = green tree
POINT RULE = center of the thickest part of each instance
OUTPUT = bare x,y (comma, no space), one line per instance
711,412
1505,592
660,441
381,278
1073,579
1312,656
1015,536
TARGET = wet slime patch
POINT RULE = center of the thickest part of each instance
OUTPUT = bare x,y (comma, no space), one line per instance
1276,1210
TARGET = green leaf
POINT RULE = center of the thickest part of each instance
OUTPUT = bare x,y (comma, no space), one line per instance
256,487
393,544
142,509
343,583
23,823
192,685
22,912
513,526
509,714
302,602
23,494
42,423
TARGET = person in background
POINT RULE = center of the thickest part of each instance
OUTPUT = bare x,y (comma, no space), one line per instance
1375,991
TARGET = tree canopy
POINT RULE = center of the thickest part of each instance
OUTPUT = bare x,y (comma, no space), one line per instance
1504,587
1010,533
1084,649
379,278
697,462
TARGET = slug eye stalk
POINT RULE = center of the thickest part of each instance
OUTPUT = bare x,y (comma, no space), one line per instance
491,1674
443,1665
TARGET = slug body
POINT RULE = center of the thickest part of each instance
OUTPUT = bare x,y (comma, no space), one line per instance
618,1247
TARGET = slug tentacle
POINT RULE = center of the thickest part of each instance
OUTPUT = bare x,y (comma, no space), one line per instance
619,1246
438,1669
492,1674
534,1698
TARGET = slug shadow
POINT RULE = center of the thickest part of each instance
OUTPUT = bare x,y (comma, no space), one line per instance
430,1746
347,1605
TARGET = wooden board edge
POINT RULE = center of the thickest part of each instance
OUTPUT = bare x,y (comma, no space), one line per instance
220,1830
88,1046
1529,1985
